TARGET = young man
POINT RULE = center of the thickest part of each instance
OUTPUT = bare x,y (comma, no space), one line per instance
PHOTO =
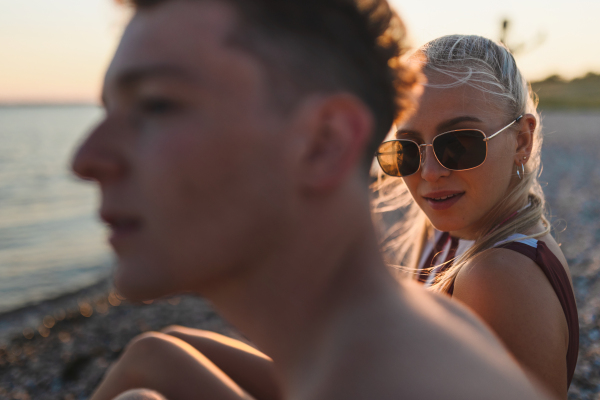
232,163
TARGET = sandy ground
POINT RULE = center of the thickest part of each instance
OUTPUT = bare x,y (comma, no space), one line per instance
60,349
572,185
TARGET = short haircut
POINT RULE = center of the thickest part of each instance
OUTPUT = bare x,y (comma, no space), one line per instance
328,46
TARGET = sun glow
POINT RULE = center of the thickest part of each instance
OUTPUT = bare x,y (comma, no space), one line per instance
57,51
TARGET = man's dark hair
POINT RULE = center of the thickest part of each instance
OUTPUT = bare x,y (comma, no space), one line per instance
326,46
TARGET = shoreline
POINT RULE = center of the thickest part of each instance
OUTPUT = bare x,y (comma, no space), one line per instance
31,316
64,346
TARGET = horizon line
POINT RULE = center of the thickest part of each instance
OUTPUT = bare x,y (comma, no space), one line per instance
47,103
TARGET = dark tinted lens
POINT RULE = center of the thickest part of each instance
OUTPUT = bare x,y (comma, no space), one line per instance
460,149
399,157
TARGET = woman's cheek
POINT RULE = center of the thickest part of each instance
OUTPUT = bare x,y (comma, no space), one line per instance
411,183
488,189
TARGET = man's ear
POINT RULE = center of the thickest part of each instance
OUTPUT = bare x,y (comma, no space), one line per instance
525,139
340,128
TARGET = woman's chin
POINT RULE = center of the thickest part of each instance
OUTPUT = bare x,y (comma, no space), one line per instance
458,229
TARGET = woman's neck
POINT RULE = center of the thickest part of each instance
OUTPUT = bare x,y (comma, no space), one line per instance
481,229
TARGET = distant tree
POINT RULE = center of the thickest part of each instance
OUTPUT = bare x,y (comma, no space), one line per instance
554,79
591,76
519,48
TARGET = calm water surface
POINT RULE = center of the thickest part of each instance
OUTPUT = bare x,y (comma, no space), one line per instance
50,239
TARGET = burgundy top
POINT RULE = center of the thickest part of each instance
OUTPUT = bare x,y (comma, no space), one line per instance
539,253
556,274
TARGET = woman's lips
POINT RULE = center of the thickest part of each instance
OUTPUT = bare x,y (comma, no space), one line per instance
442,200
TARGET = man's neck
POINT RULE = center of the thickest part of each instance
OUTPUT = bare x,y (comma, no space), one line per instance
290,304
337,325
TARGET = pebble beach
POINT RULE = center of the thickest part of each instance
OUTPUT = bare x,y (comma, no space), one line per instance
60,348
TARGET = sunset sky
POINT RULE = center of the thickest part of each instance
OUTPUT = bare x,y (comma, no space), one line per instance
57,50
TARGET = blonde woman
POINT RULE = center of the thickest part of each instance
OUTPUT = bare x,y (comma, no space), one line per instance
474,222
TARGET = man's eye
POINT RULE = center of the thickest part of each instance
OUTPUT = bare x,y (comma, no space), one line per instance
157,106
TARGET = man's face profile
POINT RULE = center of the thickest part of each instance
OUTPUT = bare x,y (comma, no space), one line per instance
191,160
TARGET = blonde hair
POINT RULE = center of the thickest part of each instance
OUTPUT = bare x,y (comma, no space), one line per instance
491,68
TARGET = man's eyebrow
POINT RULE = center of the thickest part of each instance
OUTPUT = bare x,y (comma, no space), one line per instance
454,121
135,75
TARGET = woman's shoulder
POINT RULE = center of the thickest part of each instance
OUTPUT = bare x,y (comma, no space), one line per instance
505,260
498,268
531,246
510,273
510,291
512,294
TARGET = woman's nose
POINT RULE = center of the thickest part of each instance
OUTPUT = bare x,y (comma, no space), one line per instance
431,169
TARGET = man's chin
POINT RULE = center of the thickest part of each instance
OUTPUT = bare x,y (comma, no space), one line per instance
136,287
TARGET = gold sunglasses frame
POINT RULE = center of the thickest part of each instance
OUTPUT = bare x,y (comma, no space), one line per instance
423,147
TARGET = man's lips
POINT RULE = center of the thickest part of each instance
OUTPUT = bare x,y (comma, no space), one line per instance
444,199
121,226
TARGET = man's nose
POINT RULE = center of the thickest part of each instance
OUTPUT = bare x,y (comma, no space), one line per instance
97,158
431,169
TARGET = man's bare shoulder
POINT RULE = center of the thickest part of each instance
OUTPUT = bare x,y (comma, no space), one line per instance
468,359
444,311
432,348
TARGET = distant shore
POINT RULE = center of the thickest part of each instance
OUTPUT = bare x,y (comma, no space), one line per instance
48,104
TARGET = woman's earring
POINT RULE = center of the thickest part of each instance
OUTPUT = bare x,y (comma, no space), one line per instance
521,173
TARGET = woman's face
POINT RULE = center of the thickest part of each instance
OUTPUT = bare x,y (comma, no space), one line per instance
458,201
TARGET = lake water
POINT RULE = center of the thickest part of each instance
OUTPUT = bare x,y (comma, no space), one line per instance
50,239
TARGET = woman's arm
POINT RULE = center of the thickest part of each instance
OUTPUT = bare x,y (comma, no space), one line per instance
513,296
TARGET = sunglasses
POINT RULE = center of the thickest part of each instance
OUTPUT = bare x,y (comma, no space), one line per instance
457,150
